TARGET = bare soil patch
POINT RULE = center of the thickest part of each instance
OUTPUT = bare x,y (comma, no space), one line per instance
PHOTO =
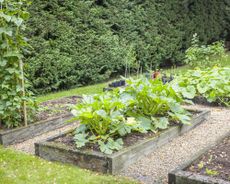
215,163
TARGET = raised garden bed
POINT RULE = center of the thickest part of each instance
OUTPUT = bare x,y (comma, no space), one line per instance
211,165
52,115
61,148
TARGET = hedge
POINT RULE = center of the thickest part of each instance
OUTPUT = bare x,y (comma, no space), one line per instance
86,41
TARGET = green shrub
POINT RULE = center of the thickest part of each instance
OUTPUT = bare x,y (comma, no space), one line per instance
204,55
97,36
72,48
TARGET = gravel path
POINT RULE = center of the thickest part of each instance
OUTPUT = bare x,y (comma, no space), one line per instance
154,167
28,146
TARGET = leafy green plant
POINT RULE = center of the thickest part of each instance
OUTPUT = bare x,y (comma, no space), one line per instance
12,42
153,99
201,165
211,172
204,55
141,107
213,84
101,118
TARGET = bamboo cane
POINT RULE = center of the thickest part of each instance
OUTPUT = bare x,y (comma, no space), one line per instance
23,94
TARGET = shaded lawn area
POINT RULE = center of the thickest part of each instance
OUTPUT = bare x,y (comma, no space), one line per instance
19,168
92,89
98,88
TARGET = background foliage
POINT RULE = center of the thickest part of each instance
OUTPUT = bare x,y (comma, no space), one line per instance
86,41
204,56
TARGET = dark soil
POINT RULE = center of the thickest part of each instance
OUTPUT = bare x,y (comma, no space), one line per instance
203,101
128,140
216,162
57,107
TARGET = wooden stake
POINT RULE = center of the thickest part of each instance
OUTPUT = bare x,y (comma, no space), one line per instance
23,94
126,69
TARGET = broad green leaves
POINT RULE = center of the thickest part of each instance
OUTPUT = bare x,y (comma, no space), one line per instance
161,123
212,83
80,140
110,146
188,92
142,106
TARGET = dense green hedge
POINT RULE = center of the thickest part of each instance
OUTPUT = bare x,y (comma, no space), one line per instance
85,41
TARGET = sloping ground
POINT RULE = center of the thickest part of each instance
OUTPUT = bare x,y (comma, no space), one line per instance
153,168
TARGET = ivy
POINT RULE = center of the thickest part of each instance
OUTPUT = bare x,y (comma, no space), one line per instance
12,43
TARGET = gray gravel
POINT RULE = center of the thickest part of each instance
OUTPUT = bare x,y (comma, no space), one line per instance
154,167
28,146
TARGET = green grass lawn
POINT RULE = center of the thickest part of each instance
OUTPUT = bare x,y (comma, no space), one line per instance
20,168
93,89
97,88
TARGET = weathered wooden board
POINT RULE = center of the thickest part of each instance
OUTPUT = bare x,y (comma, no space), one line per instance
21,134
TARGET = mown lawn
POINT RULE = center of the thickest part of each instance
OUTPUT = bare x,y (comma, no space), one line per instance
19,168
97,88
93,89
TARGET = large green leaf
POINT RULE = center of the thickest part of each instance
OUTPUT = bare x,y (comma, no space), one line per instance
145,123
161,123
202,87
189,92
81,140
8,31
6,17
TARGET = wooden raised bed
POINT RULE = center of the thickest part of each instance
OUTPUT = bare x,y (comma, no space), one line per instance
114,163
54,116
21,134
181,175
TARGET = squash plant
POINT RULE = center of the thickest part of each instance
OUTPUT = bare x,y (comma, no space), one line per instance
212,83
141,107
102,119
13,97
155,100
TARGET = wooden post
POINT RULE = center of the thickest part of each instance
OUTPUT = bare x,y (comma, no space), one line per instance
23,93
